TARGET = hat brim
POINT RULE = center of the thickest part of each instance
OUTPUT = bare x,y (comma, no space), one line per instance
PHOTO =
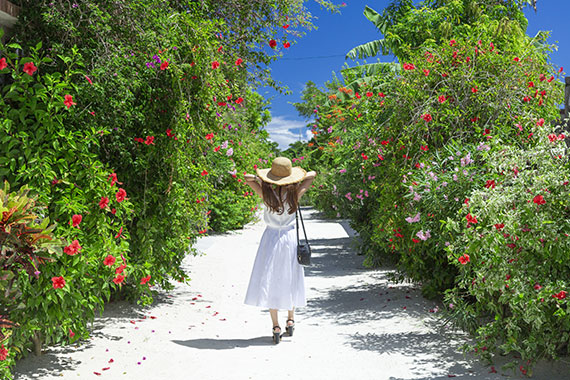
297,175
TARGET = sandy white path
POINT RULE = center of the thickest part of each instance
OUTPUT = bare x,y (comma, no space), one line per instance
357,325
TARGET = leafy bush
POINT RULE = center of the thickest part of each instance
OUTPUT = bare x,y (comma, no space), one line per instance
511,246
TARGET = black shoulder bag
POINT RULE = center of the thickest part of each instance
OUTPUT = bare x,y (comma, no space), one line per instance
303,250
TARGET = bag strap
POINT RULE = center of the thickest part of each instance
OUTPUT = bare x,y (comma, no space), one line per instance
297,215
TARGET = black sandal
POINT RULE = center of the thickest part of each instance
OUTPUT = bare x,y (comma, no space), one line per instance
276,334
290,327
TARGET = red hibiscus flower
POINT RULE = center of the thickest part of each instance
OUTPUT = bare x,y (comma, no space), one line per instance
73,248
530,84
3,64
516,59
474,90
426,72
149,140
217,148
121,195
540,122
119,279
364,157
560,295
490,184
3,353
427,117
71,333
499,226
113,178
272,43
215,65
209,136
144,280
409,66
369,94
239,100
103,202
561,69
452,43
539,200
58,282
109,261
424,148
471,219
285,26
286,45
381,94
537,287
118,235
204,173
384,142
120,269
464,259
75,220
239,61
164,65
30,68
68,101
442,98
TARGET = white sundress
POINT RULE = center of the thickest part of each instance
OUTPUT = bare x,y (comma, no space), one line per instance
277,280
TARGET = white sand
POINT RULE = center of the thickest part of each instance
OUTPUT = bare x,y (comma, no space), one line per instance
356,325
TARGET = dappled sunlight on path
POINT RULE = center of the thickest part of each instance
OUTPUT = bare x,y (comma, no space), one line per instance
357,325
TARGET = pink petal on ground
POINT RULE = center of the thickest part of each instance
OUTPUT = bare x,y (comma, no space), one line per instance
152,317
133,322
223,319
97,373
207,307
362,299
111,361
106,368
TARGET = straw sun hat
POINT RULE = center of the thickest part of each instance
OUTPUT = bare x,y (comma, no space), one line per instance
282,172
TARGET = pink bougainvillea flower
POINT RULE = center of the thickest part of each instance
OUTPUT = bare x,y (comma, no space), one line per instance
287,45
442,98
164,65
71,333
121,195
414,219
73,248
239,61
215,65
537,287
149,140
540,122
499,226
539,200
272,43
75,220
144,280
490,184
3,64
239,100
109,261
103,202
409,66
427,117
88,79
209,136
474,89
464,259
204,173
30,68
119,279
58,282
68,101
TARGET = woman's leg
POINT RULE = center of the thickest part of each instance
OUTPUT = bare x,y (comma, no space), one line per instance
274,319
291,316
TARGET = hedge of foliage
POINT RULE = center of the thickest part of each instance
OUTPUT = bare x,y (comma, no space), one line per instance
132,123
451,169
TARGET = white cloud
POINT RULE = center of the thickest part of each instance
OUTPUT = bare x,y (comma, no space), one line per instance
286,131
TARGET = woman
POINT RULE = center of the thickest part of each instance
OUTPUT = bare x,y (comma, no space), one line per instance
277,279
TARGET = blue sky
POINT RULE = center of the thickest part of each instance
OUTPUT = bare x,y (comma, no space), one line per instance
321,52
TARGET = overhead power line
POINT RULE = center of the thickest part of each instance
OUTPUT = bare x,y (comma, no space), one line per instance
315,57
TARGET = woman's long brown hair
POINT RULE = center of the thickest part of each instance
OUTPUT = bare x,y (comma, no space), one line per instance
273,197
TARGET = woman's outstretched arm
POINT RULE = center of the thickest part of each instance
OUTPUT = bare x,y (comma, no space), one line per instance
251,180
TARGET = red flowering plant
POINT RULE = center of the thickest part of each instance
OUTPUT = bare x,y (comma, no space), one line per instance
512,294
